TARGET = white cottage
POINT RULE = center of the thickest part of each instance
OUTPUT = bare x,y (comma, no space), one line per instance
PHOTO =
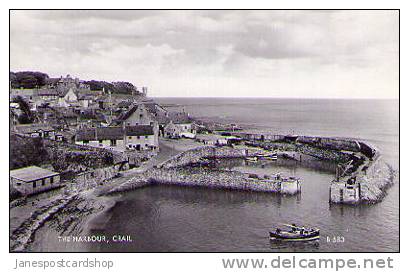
180,130
139,137
67,97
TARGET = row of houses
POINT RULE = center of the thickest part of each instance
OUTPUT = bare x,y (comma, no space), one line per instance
44,131
165,124
137,137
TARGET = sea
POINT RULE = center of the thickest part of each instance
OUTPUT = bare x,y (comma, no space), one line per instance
180,219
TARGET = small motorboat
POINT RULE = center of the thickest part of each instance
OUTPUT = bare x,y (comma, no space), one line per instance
295,233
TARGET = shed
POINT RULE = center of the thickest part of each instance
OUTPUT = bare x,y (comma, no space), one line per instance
34,179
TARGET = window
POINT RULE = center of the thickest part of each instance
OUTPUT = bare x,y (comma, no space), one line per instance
113,142
146,137
43,182
18,183
138,137
141,116
51,180
34,184
130,137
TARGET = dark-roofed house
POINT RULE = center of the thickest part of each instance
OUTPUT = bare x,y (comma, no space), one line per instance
66,97
34,179
180,126
25,93
155,108
86,99
100,137
137,114
48,94
124,105
35,130
140,137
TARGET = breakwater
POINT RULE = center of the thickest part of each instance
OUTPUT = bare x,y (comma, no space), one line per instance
197,155
363,176
232,180
364,179
367,185
178,170
199,177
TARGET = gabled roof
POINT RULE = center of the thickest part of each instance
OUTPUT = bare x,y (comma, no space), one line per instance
139,130
31,173
101,133
125,115
86,96
47,92
179,117
162,119
62,91
113,133
150,106
124,104
92,115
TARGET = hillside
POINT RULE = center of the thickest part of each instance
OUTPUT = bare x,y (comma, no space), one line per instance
34,79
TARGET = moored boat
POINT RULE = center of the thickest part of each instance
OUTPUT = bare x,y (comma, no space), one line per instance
252,159
295,233
273,157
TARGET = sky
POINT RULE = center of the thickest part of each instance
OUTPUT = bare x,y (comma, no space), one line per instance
293,54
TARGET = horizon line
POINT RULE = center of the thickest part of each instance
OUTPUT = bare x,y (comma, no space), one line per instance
272,97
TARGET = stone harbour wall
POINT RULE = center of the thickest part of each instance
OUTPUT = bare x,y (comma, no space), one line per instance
131,184
197,154
325,143
219,179
372,176
370,186
375,180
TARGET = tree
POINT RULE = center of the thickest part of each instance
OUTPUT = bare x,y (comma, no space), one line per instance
120,87
28,79
26,116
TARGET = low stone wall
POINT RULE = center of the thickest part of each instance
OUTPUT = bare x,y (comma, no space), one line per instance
131,184
331,143
232,180
135,158
91,179
319,152
197,154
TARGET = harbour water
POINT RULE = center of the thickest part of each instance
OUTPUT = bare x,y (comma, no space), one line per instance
171,218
